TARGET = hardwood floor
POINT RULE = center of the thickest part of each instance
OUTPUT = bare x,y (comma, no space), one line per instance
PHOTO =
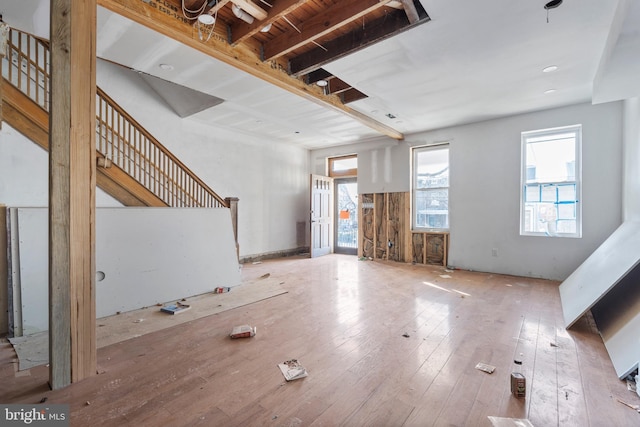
344,320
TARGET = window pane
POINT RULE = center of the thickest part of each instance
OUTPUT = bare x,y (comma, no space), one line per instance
532,193
432,168
431,187
432,208
551,161
550,182
344,164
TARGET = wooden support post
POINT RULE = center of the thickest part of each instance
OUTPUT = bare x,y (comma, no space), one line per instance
232,202
4,33
4,272
72,313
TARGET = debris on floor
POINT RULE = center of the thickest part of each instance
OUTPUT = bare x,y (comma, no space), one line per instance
222,289
445,276
509,422
553,344
292,370
634,407
176,308
243,331
406,335
264,276
485,368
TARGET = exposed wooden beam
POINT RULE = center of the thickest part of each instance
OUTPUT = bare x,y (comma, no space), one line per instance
410,10
241,31
252,9
393,23
72,186
317,75
337,86
242,57
329,20
216,7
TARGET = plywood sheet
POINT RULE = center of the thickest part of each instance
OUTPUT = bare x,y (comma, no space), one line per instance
33,350
599,273
147,256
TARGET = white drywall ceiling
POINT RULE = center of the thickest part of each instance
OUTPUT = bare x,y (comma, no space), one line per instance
473,61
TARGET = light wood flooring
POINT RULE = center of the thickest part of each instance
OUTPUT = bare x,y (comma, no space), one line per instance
345,321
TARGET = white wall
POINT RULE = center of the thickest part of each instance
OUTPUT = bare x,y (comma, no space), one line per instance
24,173
485,188
270,178
631,182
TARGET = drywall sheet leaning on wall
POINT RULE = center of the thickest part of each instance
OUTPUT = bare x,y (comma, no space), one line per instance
607,284
617,316
599,273
144,256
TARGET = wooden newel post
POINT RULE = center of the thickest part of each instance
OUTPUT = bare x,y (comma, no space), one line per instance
232,202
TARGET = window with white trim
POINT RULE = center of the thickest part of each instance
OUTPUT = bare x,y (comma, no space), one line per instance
551,187
431,187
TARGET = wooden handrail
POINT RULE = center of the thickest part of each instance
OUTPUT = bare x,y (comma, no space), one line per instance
120,139
127,144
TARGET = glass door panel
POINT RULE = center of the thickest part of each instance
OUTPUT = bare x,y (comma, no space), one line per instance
346,233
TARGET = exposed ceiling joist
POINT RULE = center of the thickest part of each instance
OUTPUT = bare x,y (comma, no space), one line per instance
241,31
242,57
216,7
393,23
332,18
410,10
252,9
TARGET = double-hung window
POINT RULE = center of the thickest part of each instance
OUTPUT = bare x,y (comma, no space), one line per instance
550,196
431,187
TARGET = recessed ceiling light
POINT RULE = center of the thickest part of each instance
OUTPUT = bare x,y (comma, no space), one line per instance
548,91
206,19
166,67
322,83
550,69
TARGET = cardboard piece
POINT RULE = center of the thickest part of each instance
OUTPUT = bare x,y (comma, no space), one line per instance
292,370
243,331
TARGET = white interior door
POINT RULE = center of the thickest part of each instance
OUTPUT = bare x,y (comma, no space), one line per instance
321,208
